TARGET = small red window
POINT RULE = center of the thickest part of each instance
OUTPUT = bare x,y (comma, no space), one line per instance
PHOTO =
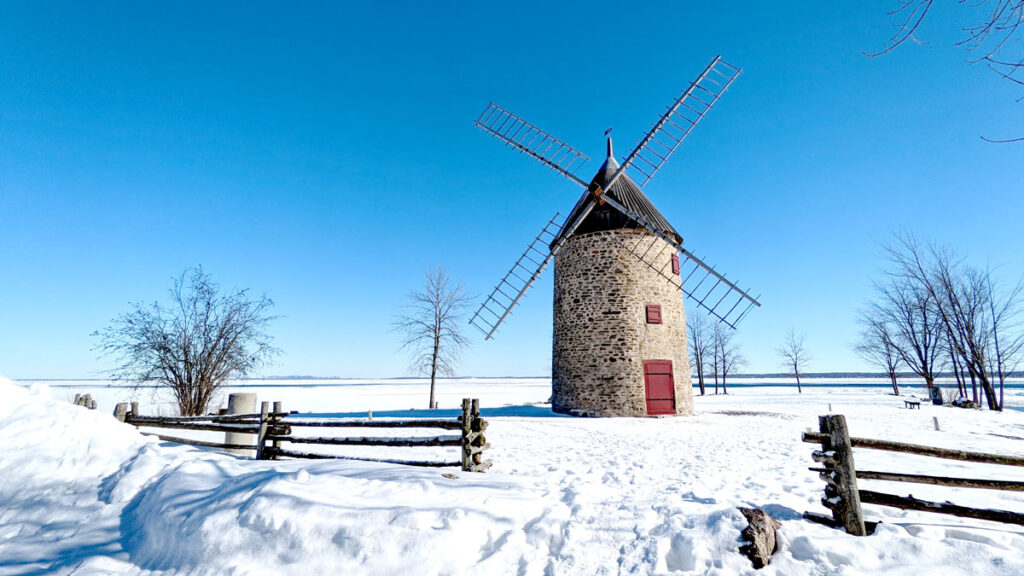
675,264
654,314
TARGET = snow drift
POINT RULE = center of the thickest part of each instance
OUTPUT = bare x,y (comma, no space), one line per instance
81,493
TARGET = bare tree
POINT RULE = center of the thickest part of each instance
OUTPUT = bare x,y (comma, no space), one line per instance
956,367
1007,336
970,308
700,341
876,346
714,362
908,310
432,328
994,34
732,359
962,304
193,345
726,355
794,355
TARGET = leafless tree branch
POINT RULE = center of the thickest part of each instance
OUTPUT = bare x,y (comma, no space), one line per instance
794,355
193,345
431,326
996,36
700,343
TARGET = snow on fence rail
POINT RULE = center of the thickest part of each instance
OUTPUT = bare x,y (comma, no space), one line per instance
272,428
844,498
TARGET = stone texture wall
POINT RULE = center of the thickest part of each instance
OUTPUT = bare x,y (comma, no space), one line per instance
601,334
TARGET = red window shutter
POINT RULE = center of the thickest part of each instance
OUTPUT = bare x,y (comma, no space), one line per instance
654,314
675,264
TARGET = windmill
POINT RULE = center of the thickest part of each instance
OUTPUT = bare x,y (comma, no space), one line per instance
620,269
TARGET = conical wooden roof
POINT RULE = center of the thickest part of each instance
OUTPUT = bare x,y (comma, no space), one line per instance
627,193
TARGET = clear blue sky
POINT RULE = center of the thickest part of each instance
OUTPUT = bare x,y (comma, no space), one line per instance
325,154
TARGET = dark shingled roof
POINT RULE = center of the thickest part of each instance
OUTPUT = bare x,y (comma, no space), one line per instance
627,193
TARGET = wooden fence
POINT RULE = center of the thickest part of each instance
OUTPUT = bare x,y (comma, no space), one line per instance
844,498
274,428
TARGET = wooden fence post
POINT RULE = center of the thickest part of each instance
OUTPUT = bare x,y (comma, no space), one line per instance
276,421
121,411
841,493
467,421
261,439
135,409
479,440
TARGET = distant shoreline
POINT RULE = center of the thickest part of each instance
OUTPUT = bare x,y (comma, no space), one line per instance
773,376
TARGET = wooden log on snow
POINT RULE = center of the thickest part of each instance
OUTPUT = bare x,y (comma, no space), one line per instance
121,411
911,503
961,455
1009,485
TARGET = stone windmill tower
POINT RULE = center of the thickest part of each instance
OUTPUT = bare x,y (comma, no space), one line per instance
621,270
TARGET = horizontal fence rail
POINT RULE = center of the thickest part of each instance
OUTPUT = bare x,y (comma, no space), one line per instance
844,498
924,450
443,424
369,441
272,428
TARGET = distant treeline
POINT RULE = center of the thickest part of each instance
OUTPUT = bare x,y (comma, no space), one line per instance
775,376
1017,374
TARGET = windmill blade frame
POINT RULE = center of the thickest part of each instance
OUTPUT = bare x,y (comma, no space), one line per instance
710,272
721,286
532,141
513,286
680,118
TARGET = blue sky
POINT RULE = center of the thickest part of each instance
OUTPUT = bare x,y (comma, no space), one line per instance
325,154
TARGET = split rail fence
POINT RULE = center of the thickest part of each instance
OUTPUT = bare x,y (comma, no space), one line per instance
844,498
273,429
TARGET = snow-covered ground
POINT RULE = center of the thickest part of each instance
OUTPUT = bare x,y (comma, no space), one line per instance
83,494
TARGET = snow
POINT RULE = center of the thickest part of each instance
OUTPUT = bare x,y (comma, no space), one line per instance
81,493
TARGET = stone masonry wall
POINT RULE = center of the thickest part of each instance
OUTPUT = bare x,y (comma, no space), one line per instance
601,334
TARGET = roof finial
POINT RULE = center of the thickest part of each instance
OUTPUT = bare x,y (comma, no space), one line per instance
608,133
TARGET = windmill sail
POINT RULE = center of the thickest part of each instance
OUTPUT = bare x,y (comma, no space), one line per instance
711,290
529,139
517,281
679,120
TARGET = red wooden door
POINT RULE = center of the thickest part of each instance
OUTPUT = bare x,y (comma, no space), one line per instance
660,389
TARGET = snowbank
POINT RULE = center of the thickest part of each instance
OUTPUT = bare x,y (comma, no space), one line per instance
86,494
83,494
